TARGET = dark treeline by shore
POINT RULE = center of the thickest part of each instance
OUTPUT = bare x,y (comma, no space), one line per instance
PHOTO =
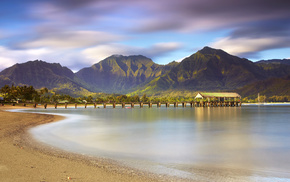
30,94
26,94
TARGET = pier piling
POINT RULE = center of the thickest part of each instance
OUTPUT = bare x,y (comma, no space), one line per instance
158,104
150,104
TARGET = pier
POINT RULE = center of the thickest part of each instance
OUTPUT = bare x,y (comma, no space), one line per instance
202,99
136,104
127,105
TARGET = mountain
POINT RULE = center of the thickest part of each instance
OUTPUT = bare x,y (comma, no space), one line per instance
269,87
275,67
275,61
120,74
41,74
208,70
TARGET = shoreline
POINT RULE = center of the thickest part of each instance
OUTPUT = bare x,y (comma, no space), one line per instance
23,158
266,103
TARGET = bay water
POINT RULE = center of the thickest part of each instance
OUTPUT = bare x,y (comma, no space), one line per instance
248,143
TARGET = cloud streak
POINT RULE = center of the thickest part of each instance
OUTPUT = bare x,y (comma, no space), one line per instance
188,15
81,32
249,47
101,52
248,41
65,40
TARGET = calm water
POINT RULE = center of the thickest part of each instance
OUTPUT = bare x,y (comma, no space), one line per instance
249,143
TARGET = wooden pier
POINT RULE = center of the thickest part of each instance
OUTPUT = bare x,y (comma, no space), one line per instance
222,99
146,104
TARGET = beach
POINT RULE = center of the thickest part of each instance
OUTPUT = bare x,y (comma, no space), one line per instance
24,159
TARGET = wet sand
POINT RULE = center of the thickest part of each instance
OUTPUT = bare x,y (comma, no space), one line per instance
24,159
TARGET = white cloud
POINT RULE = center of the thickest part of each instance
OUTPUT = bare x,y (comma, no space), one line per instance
243,45
69,58
101,52
10,57
71,39
76,59
165,47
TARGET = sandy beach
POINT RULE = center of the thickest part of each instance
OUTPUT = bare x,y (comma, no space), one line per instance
23,159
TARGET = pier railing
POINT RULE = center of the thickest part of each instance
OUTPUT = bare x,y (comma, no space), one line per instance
138,104
146,104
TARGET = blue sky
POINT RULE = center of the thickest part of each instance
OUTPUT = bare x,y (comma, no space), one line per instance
80,33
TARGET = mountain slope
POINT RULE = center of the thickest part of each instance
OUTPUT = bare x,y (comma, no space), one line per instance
120,74
275,61
208,69
275,67
269,87
41,74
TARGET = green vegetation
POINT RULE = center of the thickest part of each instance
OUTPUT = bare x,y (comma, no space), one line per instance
122,73
209,70
41,74
30,94
22,93
277,88
27,94
263,98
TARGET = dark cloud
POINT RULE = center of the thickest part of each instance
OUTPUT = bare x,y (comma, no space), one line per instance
162,14
246,8
279,28
255,25
248,41
209,14
72,4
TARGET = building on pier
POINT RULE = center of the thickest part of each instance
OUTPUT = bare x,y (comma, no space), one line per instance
218,96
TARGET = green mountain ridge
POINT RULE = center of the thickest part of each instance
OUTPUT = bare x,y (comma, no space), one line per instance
206,70
41,74
275,61
120,74
269,87
211,70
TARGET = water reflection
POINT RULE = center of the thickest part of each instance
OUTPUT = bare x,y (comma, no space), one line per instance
237,138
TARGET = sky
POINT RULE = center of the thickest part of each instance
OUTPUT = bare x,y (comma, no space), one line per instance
80,33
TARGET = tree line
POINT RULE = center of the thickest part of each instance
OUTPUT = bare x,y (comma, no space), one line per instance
43,95
21,93
263,98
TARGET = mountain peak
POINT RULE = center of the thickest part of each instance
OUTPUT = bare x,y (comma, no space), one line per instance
117,55
127,57
209,50
131,58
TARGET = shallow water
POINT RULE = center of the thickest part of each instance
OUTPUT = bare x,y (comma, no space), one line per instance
248,143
